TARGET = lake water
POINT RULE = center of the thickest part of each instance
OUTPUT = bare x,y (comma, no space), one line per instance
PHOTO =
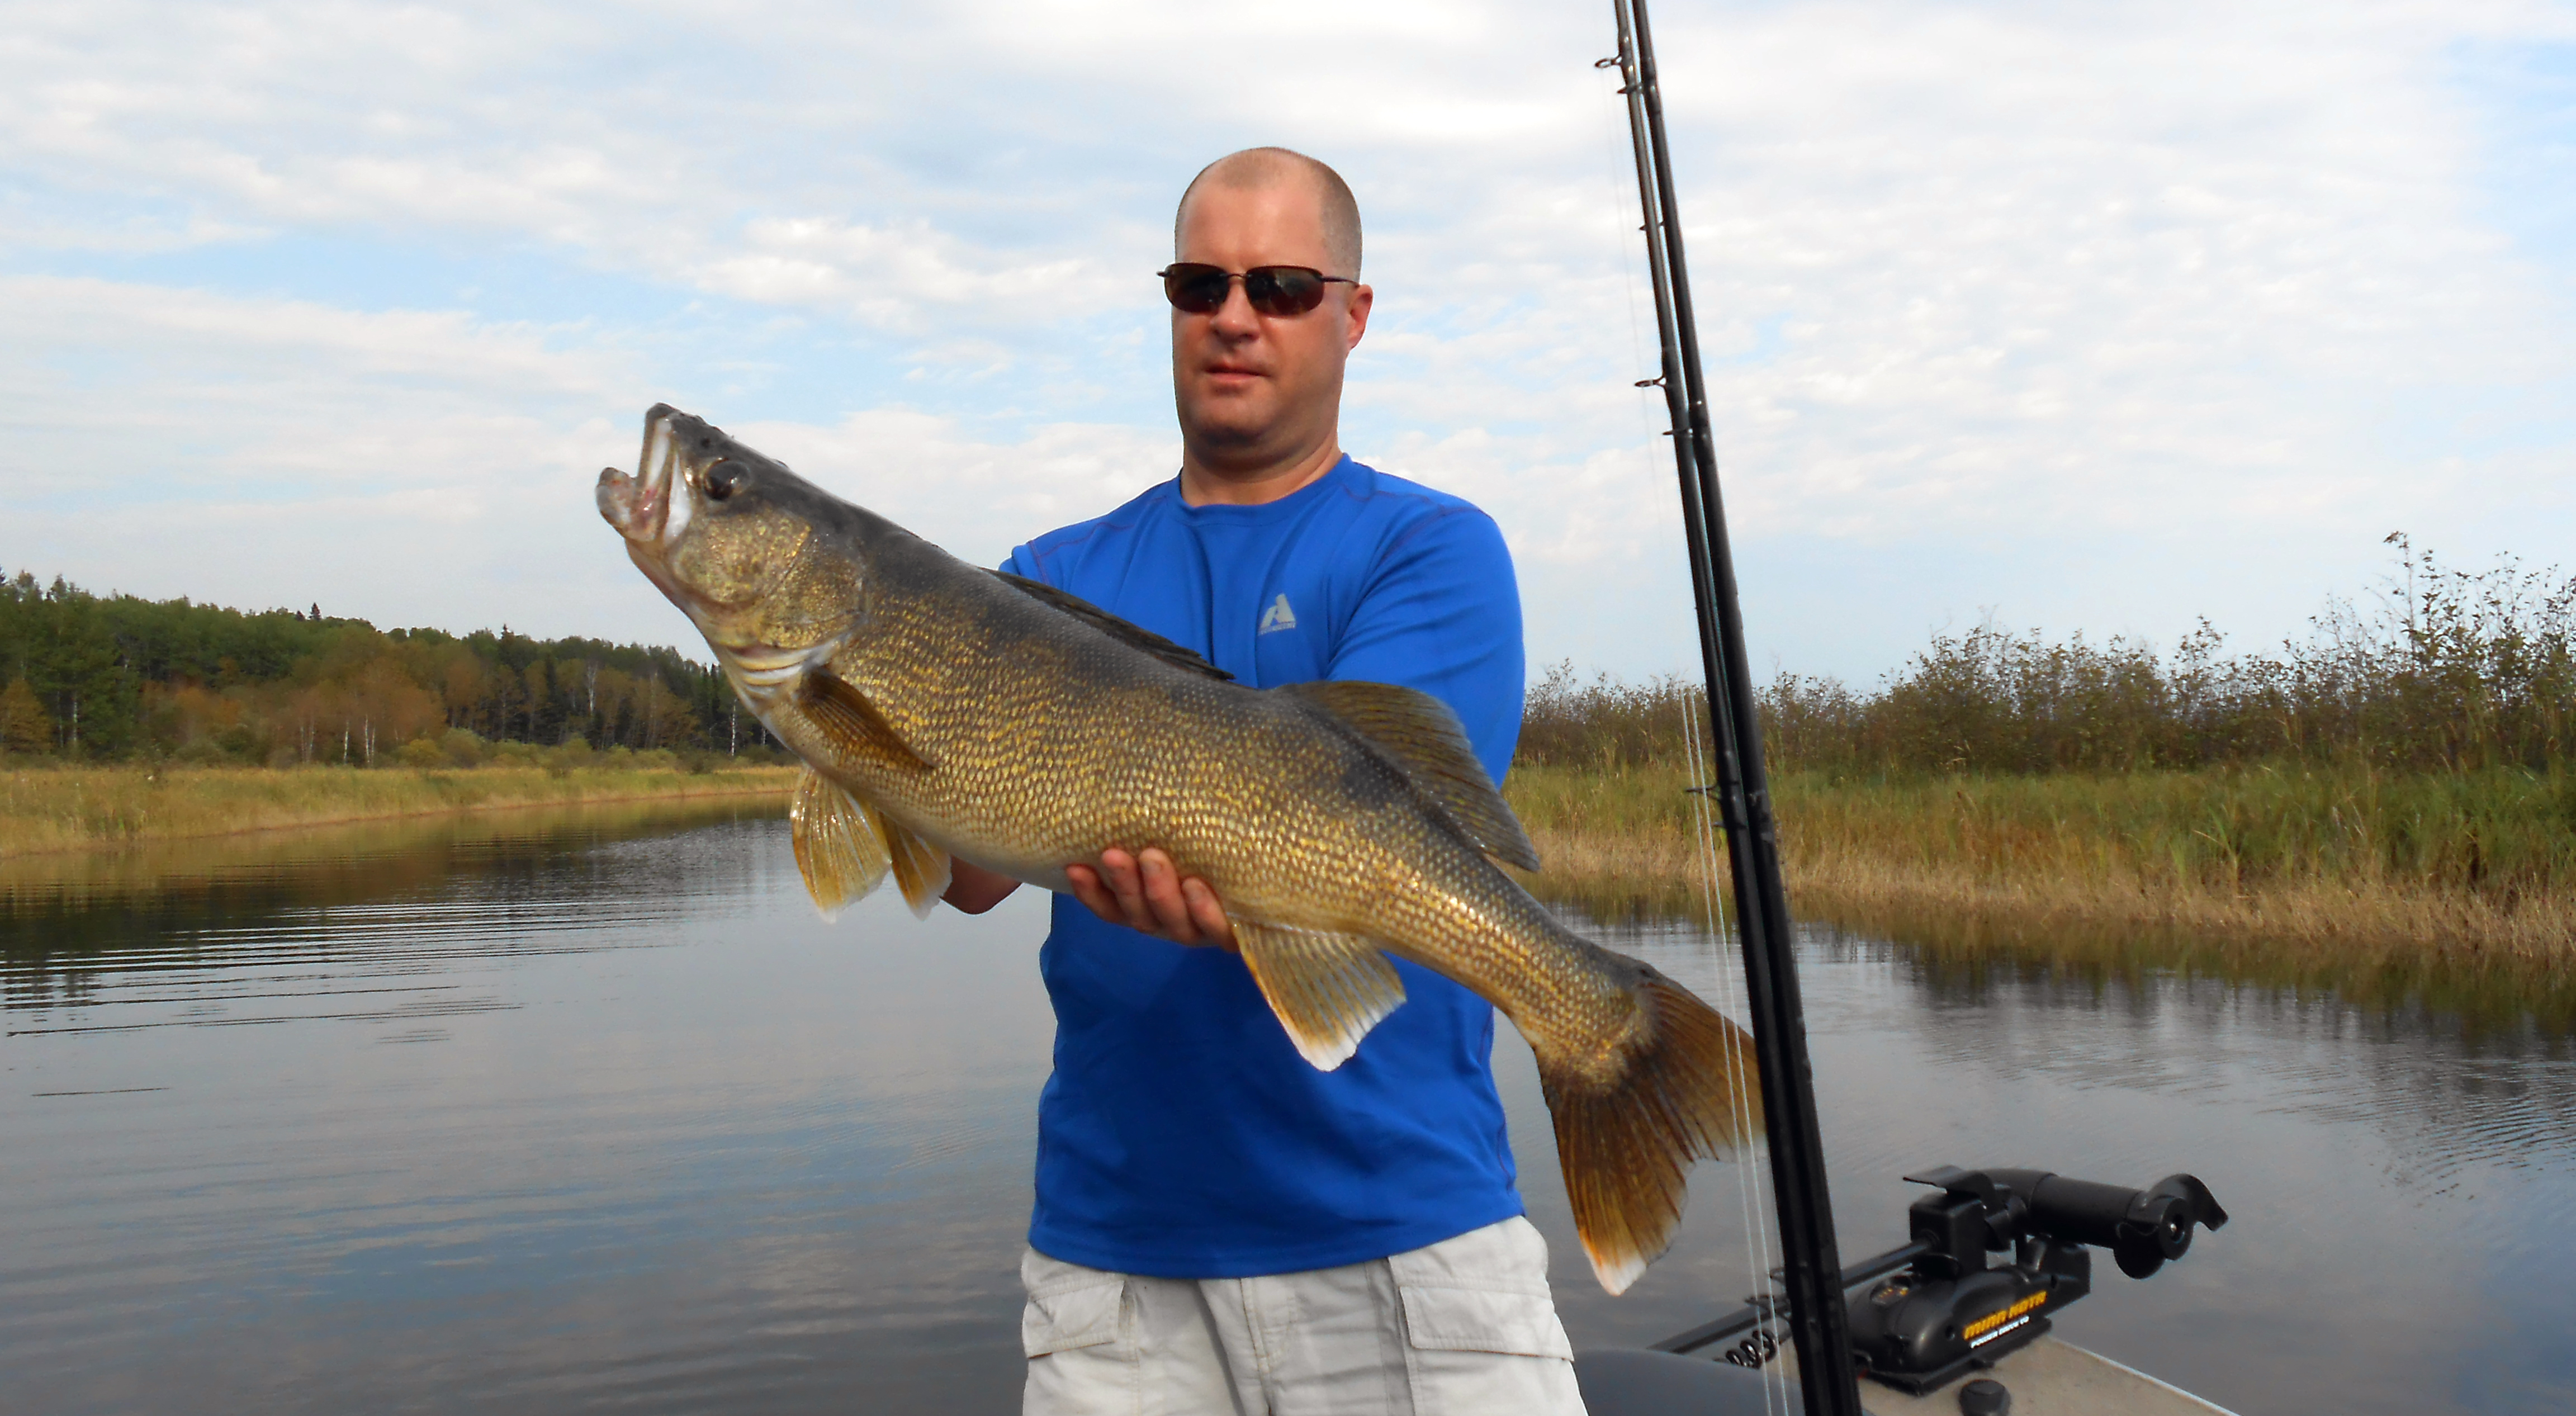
556,1113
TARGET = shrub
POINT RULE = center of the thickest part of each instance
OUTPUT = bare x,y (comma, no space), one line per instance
2452,671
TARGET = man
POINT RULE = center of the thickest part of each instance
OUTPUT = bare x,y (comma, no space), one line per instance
1219,1226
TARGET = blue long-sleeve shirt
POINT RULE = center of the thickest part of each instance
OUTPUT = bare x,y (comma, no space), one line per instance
1181,1135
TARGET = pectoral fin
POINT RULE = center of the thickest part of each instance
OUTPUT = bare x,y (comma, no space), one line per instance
840,709
839,847
1328,989
921,869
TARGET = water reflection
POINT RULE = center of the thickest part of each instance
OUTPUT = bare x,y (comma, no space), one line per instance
2399,1182
592,1112
595,1115
95,911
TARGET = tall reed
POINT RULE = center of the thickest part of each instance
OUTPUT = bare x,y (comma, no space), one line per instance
2389,805
2378,883
2445,670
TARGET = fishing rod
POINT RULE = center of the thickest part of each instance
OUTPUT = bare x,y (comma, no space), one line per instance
1812,1275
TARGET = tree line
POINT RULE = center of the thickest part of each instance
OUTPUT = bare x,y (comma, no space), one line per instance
116,677
2439,669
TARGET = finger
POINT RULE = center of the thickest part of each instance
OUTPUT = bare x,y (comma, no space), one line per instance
1209,915
1163,896
1094,896
1118,871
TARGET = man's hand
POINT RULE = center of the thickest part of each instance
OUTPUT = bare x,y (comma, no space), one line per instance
1144,892
974,889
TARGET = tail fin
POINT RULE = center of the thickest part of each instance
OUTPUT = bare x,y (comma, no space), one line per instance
1687,1089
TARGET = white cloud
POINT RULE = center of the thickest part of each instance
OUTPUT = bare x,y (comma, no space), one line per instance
899,276
266,451
977,498
132,392
425,467
1979,283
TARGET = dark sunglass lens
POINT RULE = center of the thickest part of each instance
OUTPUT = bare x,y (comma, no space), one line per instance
1283,290
1195,289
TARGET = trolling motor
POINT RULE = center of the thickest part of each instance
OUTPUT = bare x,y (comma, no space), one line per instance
1941,1311
1933,1310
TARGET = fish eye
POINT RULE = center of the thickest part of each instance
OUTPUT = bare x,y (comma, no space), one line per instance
724,479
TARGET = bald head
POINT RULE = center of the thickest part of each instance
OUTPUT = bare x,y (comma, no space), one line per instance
1256,168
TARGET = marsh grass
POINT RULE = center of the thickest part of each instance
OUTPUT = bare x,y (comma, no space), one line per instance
62,808
2384,885
2443,671
2387,807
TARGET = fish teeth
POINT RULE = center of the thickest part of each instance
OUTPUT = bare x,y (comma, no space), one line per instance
662,458
653,465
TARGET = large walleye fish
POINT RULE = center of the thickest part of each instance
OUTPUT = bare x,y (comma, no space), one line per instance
944,710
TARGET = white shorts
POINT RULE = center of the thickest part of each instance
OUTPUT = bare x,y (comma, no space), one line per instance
1464,1327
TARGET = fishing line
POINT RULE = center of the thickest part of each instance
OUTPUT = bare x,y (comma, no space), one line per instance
1753,1210
1613,124
1818,1323
1749,1195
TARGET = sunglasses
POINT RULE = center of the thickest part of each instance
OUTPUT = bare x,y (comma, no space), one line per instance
1273,289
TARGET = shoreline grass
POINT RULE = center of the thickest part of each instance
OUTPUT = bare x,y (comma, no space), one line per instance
74,808
2453,888
2385,886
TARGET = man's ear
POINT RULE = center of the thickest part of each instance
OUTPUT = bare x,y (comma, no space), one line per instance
1362,297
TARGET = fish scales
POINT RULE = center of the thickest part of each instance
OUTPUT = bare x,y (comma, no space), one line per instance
948,712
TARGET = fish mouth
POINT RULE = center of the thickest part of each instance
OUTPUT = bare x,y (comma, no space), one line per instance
642,507
653,509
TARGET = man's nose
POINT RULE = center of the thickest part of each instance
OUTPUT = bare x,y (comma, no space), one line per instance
1236,317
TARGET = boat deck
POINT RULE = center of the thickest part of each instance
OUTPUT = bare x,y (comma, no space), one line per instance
2046,1378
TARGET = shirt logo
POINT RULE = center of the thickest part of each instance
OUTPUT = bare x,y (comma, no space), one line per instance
1277,617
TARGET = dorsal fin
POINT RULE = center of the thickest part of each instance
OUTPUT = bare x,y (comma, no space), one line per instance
1419,734
1132,635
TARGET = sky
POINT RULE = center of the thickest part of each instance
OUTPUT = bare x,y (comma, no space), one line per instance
2079,317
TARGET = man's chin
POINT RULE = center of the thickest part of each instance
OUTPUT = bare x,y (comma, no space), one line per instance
1232,423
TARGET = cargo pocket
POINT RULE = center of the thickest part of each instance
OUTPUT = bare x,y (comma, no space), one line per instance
1480,1330
1476,1351
1071,1318
1482,1320
1078,1340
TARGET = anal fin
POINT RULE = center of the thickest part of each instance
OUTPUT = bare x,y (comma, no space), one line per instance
921,870
1327,989
840,849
